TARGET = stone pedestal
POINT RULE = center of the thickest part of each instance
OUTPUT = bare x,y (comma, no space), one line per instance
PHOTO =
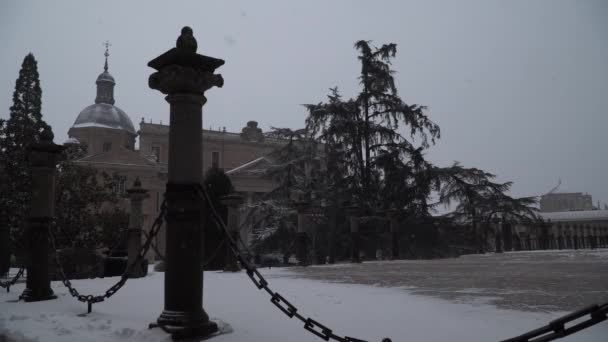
42,159
184,76
233,202
353,215
301,236
136,195
393,217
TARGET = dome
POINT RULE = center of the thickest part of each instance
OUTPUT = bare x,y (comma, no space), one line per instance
105,77
104,115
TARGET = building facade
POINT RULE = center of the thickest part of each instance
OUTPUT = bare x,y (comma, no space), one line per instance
109,136
565,201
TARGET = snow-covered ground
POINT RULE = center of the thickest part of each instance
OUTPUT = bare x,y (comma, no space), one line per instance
362,311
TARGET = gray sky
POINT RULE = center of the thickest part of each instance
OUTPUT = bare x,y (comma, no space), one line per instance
519,88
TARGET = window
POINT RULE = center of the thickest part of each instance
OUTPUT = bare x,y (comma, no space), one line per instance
107,146
119,186
215,159
156,152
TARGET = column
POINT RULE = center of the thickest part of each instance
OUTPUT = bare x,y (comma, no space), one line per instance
5,240
393,216
301,236
233,202
353,213
507,235
184,76
42,158
136,196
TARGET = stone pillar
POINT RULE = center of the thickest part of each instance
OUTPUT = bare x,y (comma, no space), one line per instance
233,202
42,158
5,241
184,76
136,195
594,240
393,217
507,234
498,237
353,214
301,236
333,227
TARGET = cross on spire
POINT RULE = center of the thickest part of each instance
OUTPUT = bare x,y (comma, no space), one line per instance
106,54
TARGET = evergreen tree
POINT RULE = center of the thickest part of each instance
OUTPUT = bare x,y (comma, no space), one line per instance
21,129
86,205
369,129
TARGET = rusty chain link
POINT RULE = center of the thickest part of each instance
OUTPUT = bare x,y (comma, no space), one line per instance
7,284
260,282
91,299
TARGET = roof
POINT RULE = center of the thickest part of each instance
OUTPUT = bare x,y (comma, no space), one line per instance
570,216
104,115
161,129
254,167
119,156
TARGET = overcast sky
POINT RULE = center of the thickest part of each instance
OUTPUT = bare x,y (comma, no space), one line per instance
519,88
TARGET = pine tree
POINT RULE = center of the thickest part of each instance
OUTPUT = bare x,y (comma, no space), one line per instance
369,129
21,129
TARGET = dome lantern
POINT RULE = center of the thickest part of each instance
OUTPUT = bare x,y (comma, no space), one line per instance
105,82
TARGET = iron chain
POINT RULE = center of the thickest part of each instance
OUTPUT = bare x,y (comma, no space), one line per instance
260,282
557,328
7,284
90,299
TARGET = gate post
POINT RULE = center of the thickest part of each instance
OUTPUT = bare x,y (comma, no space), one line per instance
184,76
5,239
136,195
393,216
353,213
233,202
301,235
42,158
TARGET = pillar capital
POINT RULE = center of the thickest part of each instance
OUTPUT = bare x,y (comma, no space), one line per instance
44,153
232,200
136,192
353,210
181,70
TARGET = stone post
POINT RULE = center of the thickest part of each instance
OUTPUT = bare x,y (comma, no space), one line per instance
5,241
184,76
353,214
393,217
42,158
301,235
594,237
233,202
136,195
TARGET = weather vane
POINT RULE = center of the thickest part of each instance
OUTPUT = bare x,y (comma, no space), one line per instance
107,53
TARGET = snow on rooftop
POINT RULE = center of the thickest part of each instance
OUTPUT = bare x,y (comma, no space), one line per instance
581,215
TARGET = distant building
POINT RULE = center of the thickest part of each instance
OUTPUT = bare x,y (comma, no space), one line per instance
565,201
110,137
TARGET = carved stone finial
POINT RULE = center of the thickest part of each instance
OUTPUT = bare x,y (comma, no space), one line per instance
186,40
251,132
